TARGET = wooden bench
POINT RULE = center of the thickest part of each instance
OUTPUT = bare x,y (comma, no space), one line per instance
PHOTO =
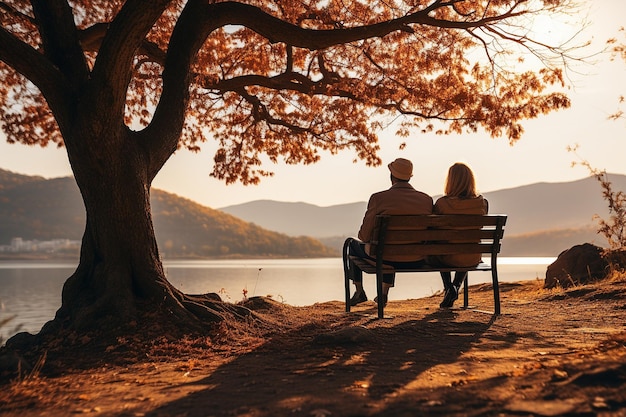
432,234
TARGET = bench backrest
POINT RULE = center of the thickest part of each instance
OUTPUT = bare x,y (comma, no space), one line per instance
437,234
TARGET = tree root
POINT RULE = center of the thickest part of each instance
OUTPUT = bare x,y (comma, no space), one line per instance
210,307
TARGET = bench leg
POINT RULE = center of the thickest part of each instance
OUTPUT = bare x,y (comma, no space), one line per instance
465,291
379,294
347,285
346,273
496,290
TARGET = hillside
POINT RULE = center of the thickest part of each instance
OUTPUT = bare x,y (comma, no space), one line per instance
544,218
185,228
35,208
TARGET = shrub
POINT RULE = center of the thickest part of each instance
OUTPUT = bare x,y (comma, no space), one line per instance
613,229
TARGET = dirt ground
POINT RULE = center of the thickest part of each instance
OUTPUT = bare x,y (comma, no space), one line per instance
551,352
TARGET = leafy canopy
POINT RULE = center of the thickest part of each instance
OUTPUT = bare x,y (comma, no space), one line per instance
282,78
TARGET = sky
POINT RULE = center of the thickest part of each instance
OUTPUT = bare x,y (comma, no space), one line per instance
539,156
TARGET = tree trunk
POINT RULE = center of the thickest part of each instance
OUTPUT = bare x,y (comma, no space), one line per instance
120,276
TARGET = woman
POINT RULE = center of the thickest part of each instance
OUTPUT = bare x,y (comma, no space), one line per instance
461,197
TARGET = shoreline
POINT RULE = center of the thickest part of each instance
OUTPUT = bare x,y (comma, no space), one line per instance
228,278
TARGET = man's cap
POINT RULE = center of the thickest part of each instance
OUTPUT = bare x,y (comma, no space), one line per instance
401,168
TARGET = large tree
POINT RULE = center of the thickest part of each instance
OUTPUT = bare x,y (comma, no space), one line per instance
123,84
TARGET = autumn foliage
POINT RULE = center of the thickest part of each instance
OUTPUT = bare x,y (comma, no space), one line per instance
285,79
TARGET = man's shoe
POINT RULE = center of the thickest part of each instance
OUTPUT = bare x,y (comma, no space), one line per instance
451,295
383,298
358,298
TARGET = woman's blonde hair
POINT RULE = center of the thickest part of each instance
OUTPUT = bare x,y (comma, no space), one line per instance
460,182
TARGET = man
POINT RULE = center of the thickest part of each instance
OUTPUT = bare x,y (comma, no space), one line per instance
401,198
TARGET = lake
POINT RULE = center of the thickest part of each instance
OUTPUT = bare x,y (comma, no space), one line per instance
31,290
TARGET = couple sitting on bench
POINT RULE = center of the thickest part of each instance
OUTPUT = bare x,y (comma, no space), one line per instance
460,197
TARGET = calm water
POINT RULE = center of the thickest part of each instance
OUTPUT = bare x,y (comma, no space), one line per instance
31,290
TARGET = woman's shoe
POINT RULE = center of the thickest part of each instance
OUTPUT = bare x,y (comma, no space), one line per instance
383,298
451,295
358,298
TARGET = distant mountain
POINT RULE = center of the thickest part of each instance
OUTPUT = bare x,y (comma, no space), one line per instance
35,208
10,179
301,219
544,218
550,206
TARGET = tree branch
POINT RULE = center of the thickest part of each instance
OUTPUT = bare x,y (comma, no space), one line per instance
277,30
60,40
113,66
37,69
91,39
260,112
192,28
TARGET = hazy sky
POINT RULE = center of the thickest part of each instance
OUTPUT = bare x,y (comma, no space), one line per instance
540,156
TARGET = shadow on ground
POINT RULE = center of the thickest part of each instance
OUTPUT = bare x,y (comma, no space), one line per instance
346,373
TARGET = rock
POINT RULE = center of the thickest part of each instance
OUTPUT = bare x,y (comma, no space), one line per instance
259,303
22,341
207,296
578,265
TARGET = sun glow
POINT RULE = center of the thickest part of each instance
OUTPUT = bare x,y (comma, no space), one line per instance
553,30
